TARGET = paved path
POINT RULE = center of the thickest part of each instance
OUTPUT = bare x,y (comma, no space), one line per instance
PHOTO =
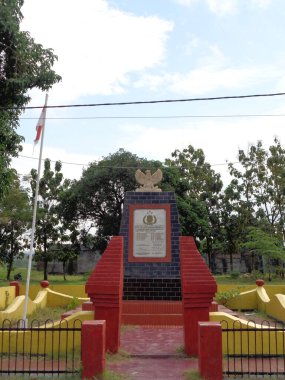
155,354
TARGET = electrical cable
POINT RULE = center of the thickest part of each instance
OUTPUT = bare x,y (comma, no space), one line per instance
108,167
152,101
155,117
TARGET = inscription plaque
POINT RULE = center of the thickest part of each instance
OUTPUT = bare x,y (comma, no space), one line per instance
149,233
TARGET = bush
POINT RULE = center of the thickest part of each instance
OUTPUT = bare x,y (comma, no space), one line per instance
235,274
73,304
223,297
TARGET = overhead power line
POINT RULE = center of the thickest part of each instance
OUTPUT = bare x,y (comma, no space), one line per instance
155,117
156,101
108,167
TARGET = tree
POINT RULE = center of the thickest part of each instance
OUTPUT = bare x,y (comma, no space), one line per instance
236,216
49,230
262,184
24,65
96,200
263,243
198,197
14,221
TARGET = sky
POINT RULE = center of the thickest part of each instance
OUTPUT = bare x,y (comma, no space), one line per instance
137,50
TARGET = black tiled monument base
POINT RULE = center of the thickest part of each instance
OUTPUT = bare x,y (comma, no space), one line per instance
166,289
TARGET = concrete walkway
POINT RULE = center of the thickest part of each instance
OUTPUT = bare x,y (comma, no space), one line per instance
156,353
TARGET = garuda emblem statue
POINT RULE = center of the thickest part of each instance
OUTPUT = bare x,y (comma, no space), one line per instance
148,180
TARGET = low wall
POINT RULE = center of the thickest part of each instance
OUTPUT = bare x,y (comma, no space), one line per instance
71,290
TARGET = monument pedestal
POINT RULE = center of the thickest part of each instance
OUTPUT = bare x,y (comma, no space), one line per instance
151,232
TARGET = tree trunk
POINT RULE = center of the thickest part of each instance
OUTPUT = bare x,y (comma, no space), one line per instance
64,270
9,269
10,257
231,261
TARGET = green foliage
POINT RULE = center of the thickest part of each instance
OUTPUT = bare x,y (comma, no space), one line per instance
73,304
110,375
192,375
264,243
198,197
24,65
14,220
235,274
46,314
54,238
119,356
99,196
224,297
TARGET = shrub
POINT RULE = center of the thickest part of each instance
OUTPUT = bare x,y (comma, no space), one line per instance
73,304
223,297
235,274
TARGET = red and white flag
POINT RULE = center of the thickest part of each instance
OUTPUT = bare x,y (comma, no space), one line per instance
40,125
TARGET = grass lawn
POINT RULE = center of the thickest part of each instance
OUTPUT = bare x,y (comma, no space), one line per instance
79,279
37,276
247,280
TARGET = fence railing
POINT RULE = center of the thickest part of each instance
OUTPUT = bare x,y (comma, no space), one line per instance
40,349
253,349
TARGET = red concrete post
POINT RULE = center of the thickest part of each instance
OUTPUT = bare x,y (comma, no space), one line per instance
210,350
17,287
93,348
88,306
192,316
112,316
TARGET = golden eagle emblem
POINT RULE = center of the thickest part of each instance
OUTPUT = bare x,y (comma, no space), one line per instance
148,180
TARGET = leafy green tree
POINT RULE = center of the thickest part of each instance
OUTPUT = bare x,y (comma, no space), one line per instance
236,216
98,197
266,245
48,230
262,184
198,197
24,65
15,218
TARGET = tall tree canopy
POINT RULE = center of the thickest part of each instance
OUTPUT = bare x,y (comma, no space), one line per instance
99,195
49,229
24,65
15,218
198,196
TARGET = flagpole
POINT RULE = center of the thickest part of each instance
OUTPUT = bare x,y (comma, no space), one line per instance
34,218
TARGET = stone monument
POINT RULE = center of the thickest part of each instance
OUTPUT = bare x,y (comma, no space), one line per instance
151,231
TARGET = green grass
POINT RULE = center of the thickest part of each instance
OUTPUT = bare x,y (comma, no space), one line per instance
61,377
119,356
46,313
110,375
192,375
37,276
246,280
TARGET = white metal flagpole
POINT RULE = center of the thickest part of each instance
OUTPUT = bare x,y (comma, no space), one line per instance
40,135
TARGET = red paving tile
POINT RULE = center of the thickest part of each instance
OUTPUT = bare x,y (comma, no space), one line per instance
155,354
154,368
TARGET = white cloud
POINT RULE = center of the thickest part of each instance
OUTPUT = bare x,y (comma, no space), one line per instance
201,81
192,45
98,46
219,7
261,3
220,139
214,71
223,7
205,79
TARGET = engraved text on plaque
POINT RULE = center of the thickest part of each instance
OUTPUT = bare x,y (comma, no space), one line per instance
149,234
